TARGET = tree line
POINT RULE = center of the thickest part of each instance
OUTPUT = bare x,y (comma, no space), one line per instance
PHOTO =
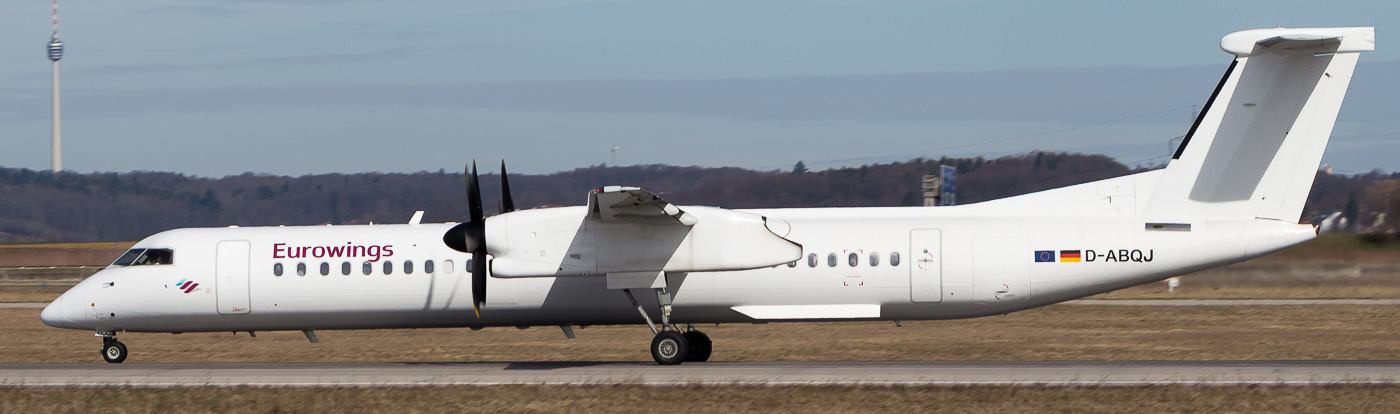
43,206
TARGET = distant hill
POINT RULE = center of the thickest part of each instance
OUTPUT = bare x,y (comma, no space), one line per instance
43,206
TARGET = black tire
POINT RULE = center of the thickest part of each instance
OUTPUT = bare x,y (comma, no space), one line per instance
669,348
114,352
699,346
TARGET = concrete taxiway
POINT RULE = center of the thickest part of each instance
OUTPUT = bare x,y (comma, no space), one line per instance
1107,302
1234,302
1059,373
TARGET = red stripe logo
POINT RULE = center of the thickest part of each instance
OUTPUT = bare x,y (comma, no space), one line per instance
186,285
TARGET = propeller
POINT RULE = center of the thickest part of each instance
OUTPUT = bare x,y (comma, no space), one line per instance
476,239
507,204
470,237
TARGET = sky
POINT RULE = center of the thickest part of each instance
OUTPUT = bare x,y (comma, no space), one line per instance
292,87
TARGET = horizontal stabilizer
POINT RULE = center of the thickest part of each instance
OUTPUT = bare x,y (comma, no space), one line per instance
1314,40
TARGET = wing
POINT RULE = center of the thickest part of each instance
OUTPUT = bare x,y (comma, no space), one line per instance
617,204
627,230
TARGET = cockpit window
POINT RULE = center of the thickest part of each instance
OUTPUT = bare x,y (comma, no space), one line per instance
128,257
146,257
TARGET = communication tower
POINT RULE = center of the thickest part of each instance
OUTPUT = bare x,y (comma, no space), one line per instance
941,189
55,49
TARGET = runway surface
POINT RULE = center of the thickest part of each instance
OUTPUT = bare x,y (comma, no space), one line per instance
1114,302
1233,302
23,305
1059,373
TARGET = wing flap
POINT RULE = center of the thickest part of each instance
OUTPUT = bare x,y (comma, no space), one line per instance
781,312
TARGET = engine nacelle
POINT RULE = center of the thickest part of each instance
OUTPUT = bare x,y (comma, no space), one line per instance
565,242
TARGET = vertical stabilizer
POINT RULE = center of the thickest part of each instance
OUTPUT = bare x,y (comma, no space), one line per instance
1256,146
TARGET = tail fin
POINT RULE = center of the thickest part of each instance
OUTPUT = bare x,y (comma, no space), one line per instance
1256,146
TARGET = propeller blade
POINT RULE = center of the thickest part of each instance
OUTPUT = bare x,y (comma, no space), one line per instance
478,280
476,236
474,197
507,203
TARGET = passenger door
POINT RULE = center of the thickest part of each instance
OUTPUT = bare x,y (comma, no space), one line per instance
926,265
231,276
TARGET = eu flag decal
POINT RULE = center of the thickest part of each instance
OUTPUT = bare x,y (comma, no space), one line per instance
1044,256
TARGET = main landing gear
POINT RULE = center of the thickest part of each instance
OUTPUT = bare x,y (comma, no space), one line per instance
113,351
699,345
670,346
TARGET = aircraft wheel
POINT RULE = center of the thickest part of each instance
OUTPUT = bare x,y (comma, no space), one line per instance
114,352
699,349
669,348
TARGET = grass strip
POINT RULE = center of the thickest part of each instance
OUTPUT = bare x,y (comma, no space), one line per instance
707,399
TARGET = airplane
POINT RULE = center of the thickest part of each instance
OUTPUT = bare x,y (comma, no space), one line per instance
1233,190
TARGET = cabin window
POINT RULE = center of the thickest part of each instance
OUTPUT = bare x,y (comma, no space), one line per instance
874,259
388,267
408,267
146,257
277,269
467,267
894,259
853,259
792,263
428,266
301,269
367,268
345,268
831,260
812,260
447,266
325,269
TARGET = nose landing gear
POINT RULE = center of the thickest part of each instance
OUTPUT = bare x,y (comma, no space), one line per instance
113,351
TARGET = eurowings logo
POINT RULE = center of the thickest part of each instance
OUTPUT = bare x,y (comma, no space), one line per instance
187,285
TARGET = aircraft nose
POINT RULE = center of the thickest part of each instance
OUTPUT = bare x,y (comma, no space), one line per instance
53,314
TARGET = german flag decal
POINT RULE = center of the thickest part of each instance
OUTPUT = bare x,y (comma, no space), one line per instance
1069,255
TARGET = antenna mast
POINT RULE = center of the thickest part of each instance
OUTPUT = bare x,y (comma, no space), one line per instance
55,53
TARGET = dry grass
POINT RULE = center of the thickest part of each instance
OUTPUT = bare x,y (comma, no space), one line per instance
1193,287
1246,292
631,398
32,292
1278,280
70,245
1050,333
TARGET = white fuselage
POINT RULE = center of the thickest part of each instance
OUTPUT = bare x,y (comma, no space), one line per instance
953,262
